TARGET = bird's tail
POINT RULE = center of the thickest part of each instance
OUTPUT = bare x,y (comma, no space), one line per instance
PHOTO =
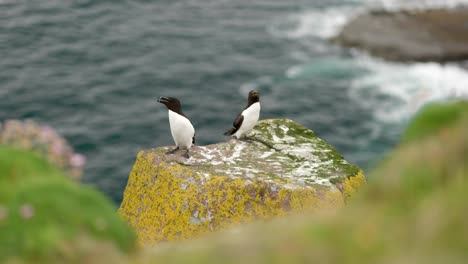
230,132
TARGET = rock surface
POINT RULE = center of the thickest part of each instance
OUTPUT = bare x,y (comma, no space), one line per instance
284,168
431,35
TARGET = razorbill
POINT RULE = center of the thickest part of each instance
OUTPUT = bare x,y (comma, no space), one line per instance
182,129
248,118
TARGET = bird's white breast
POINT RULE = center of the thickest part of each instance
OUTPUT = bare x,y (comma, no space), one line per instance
181,129
251,116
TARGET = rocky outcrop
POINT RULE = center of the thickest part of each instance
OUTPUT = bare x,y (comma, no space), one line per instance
283,168
431,35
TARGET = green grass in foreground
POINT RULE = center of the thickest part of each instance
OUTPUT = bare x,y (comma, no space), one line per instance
45,217
21,167
435,118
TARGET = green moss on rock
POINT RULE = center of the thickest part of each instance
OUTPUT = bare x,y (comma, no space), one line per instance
282,168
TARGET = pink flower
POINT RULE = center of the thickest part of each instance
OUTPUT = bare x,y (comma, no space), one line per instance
3,213
26,211
46,133
57,148
77,160
30,127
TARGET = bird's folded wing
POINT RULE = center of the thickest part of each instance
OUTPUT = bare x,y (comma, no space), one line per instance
238,122
236,125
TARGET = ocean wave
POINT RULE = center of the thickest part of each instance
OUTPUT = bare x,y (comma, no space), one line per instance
325,23
321,23
391,92
394,92
408,4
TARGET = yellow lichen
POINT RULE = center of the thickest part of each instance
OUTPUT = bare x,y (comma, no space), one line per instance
168,201
352,184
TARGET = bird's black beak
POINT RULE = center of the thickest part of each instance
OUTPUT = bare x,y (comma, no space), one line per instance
163,100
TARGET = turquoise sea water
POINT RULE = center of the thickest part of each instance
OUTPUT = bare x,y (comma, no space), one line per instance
94,69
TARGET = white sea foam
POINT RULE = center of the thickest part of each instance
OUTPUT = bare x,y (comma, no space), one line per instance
294,71
392,91
395,91
320,23
413,4
327,22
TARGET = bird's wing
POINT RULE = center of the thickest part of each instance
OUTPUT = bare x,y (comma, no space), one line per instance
236,125
238,122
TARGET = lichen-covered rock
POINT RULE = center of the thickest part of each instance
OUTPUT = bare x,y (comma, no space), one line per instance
282,168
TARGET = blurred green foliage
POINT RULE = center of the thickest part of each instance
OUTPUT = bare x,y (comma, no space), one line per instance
44,216
435,118
45,141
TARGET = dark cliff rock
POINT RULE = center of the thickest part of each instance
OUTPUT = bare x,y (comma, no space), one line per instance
432,35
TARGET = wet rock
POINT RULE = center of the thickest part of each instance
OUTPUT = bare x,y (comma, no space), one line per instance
431,35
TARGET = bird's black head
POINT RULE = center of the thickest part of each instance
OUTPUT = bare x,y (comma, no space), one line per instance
254,97
171,103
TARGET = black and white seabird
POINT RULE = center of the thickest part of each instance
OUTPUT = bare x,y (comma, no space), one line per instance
248,118
182,129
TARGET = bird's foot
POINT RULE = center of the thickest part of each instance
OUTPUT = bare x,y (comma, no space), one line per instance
173,151
186,155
